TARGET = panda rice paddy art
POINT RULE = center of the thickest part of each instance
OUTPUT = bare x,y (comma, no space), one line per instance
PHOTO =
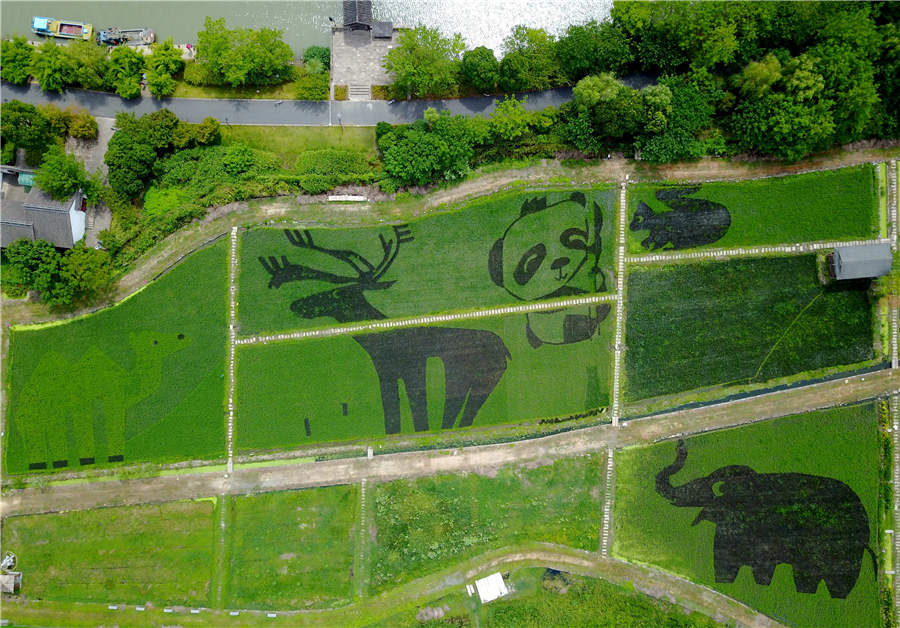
552,250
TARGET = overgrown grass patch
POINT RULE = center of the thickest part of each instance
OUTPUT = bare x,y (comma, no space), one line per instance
287,142
443,263
142,380
315,390
841,443
738,321
828,205
161,554
293,549
429,523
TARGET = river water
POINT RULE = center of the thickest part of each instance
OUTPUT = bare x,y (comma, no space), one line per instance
305,23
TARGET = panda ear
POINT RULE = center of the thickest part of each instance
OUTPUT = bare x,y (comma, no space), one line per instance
495,262
533,206
579,198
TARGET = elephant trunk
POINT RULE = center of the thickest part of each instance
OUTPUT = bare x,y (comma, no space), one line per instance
696,493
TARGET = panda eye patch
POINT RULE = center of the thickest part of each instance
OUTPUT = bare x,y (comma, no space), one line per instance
574,238
529,264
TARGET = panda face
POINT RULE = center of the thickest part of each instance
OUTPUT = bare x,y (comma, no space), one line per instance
543,251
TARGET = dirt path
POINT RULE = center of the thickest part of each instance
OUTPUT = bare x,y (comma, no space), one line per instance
482,458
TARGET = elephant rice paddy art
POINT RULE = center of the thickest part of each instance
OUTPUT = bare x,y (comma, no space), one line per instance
815,524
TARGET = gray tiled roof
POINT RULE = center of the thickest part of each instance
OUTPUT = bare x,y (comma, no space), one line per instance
358,12
39,199
856,262
38,217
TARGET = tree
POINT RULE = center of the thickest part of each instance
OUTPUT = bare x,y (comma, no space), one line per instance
60,175
758,76
22,125
160,83
130,163
529,62
16,60
51,67
36,263
480,69
593,48
83,125
57,118
424,63
90,65
87,272
850,83
125,67
417,159
591,90
321,53
241,56
166,58
509,119
208,132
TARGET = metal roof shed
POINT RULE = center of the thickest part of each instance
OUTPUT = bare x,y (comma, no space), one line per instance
383,30
358,14
863,261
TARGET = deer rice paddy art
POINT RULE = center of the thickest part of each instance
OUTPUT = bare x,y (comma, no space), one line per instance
816,524
691,221
553,251
474,360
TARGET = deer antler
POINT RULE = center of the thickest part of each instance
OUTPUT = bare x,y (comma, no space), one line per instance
391,248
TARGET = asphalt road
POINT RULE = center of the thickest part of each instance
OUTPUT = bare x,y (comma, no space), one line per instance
274,112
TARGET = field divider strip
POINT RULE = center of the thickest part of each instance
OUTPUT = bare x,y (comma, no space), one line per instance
398,323
893,322
609,488
893,200
616,409
800,247
232,339
895,437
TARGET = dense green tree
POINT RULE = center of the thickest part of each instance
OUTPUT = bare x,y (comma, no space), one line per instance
90,65
424,63
418,158
529,61
51,67
125,68
15,59
208,132
57,118
850,84
61,175
166,58
758,76
160,83
36,263
22,125
691,113
87,272
320,53
591,90
241,56
593,48
480,69
130,164
509,119
83,125
887,68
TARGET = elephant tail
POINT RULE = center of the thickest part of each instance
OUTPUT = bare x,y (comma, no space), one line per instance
874,560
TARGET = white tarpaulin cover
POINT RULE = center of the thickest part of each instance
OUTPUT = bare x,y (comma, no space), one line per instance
491,588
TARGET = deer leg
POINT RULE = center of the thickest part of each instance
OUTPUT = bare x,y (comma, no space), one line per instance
414,379
456,390
390,401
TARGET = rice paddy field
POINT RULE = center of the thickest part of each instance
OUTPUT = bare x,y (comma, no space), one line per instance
737,322
840,445
160,553
827,205
314,390
438,263
139,381
425,524
292,549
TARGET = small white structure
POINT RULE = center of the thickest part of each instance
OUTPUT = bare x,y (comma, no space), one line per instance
491,588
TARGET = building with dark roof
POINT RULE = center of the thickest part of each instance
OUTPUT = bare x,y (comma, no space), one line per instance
358,15
862,261
35,216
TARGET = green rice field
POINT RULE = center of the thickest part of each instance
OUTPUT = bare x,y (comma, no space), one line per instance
828,205
737,322
332,385
139,381
426,524
841,443
160,553
293,549
437,263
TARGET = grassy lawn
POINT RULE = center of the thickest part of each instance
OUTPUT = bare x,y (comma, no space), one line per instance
287,142
841,443
430,523
142,380
739,321
829,205
293,549
447,264
331,385
160,554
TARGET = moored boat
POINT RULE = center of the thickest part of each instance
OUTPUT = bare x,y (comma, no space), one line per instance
125,36
67,29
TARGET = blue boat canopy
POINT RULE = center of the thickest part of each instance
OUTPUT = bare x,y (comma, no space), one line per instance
41,23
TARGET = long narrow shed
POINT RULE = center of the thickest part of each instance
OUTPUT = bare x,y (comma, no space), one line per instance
862,261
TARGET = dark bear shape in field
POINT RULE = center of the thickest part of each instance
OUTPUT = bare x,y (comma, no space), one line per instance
692,221
815,524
